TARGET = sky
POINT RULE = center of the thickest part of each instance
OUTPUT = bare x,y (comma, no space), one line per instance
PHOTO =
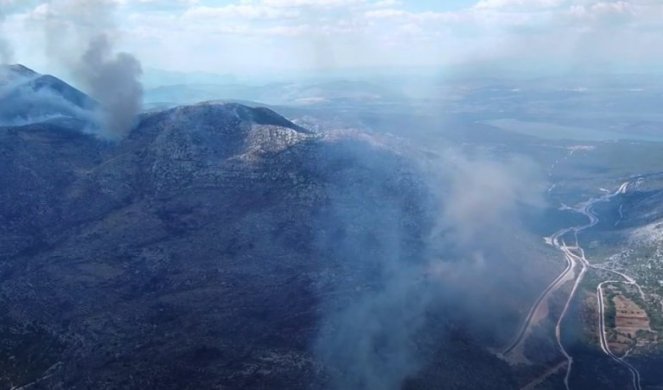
253,36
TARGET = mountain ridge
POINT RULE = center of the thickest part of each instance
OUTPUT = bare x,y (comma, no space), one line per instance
190,227
28,97
208,248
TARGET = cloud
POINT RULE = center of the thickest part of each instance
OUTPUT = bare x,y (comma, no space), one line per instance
511,4
241,11
259,35
604,12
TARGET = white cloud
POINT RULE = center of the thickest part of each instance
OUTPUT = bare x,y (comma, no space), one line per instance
310,3
510,4
239,11
248,34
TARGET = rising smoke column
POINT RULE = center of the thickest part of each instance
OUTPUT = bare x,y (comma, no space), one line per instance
114,82
111,78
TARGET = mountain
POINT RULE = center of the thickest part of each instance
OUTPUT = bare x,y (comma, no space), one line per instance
223,246
27,97
184,256
13,73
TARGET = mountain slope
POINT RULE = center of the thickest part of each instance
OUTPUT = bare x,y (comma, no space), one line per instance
223,246
28,97
166,261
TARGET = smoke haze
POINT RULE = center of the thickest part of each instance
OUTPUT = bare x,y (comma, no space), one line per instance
409,237
482,193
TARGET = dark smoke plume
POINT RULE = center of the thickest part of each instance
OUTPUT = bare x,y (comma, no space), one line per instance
111,78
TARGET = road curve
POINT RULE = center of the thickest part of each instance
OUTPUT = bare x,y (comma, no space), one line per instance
586,209
558,327
572,260
635,374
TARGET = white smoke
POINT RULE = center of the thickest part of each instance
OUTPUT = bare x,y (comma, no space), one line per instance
408,242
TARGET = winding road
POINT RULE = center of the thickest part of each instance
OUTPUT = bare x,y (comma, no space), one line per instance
575,259
635,374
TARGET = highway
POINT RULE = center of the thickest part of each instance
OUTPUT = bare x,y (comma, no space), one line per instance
635,374
586,209
554,285
576,259
568,254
